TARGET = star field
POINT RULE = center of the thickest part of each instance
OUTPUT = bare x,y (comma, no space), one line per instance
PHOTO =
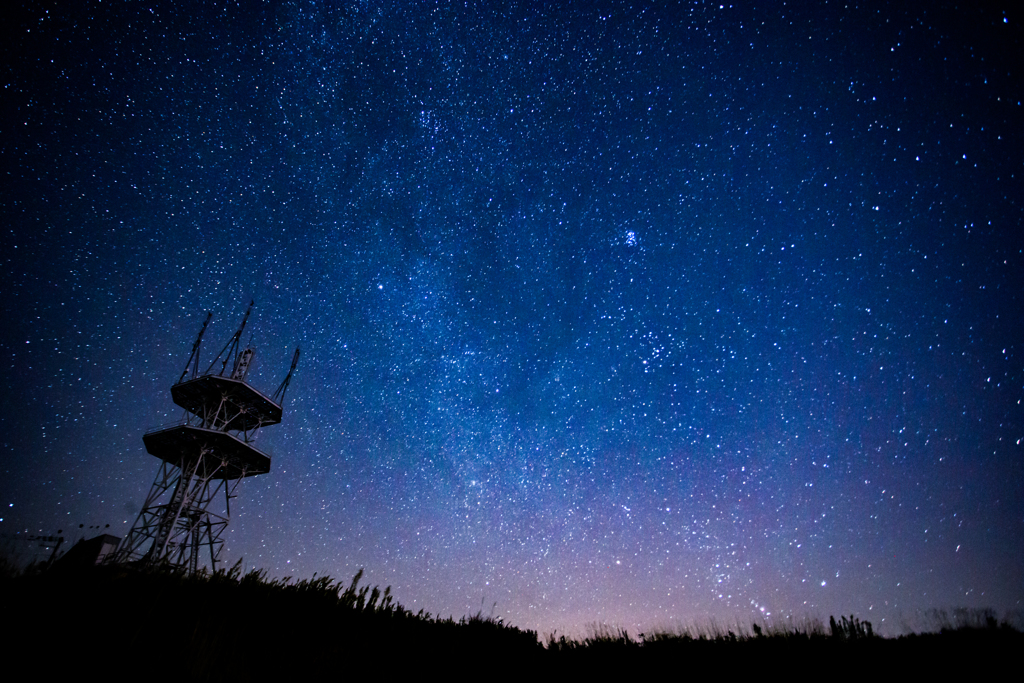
613,313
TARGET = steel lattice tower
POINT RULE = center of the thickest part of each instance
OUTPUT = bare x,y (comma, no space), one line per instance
203,457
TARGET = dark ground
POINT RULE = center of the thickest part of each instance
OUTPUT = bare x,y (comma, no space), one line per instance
231,627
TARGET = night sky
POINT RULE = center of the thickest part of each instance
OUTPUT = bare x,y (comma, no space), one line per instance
626,313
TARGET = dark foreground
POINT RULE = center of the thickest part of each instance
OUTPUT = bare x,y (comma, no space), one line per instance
159,625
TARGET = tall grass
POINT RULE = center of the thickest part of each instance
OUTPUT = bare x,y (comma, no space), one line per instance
947,620
230,625
235,625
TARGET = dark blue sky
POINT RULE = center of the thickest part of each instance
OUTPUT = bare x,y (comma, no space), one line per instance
622,313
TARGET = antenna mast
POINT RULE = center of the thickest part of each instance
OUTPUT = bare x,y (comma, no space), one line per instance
203,458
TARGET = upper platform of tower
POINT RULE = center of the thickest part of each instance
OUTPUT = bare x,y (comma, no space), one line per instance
223,400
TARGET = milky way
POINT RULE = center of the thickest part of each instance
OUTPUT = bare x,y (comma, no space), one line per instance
611,313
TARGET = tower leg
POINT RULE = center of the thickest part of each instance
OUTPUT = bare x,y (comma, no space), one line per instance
177,523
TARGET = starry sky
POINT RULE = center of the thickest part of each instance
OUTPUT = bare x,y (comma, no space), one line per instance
627,313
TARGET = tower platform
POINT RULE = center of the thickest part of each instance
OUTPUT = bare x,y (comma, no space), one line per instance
223,455
237,406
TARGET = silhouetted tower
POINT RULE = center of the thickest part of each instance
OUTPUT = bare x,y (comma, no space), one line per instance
203,457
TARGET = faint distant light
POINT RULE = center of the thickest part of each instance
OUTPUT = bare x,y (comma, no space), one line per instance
822,583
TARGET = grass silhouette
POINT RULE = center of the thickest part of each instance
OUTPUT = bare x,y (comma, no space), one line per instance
231,625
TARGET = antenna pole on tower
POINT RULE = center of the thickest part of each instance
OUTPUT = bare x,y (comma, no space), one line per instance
193,359
231,348
278,396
